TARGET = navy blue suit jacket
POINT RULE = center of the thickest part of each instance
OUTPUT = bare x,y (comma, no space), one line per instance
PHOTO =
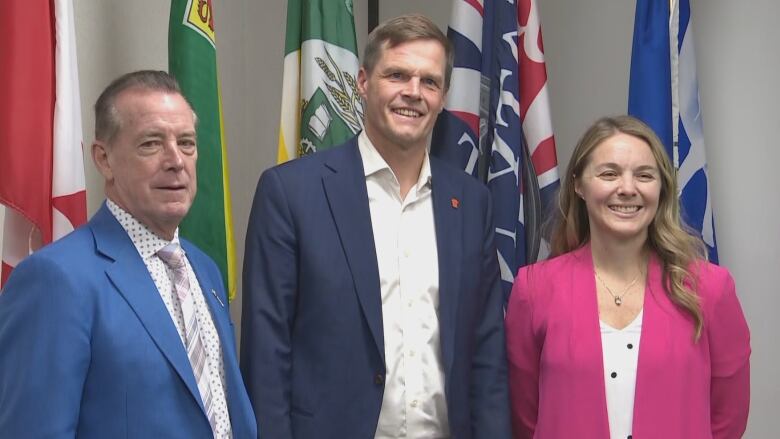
312,340
88,349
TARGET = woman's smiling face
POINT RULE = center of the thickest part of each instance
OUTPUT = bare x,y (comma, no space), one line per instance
621,185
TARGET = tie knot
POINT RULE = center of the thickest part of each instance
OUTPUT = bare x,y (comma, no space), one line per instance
172,255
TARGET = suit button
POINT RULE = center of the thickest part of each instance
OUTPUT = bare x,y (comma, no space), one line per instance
379,379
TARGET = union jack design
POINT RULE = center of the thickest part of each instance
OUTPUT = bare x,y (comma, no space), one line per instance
496,123
664,93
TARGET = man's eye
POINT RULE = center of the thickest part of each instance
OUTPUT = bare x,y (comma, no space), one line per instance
431,82
187,146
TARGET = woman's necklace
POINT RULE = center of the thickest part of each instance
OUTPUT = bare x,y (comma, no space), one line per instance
617,297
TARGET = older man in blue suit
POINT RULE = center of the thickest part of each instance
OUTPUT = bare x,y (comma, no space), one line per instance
372,306
120,329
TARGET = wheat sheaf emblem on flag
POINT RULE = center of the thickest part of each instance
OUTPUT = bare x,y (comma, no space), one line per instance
199,16
337,106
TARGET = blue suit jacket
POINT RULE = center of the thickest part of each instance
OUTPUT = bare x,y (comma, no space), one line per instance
89,350
312,339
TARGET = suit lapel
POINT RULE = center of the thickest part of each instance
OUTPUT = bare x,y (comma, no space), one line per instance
133,282
345,190
447,196
585,342
652,347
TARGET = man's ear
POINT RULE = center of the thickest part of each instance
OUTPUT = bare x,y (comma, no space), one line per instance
362,79
100,157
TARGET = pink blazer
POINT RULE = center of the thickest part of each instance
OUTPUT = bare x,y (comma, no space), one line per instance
683,389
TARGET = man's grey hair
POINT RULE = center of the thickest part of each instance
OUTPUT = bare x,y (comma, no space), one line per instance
107,121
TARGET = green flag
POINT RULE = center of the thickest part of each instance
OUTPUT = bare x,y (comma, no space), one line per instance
192,59
321,106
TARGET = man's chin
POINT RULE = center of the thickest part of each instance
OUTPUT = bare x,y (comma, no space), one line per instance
175,212
410,141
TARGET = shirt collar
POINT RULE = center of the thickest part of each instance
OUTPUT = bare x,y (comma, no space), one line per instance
373,163
145,241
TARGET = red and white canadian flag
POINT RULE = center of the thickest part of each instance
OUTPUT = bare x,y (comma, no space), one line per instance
41,162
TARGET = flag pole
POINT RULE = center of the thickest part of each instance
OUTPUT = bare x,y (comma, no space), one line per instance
373,14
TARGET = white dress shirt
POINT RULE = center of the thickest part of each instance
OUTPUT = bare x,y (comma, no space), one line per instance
148,244
620,348
413,404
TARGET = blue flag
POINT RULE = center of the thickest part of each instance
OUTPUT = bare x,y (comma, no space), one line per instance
664,93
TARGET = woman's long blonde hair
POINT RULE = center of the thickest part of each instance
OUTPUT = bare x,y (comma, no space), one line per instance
671,240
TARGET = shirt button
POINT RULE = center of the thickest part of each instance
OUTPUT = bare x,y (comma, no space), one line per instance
414,403
613,374
409,304
379,379
411,353
630,346
406,253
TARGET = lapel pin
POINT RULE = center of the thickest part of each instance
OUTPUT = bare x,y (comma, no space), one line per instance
455,202
217,297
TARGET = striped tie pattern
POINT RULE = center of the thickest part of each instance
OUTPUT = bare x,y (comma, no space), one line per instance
173,256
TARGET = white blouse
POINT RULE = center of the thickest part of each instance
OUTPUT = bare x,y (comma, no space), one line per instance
621,355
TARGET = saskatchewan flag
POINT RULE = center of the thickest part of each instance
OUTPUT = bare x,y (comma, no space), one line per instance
192,59
321,106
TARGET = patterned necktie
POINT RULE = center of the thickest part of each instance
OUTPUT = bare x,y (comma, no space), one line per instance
173,256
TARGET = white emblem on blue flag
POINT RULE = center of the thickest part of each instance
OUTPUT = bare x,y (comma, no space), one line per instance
664,92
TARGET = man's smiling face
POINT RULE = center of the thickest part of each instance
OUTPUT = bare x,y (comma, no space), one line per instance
404,93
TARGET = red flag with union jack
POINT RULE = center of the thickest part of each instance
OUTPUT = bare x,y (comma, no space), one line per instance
41,163
496,124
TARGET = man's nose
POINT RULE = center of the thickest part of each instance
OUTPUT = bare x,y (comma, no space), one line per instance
174,157
412,88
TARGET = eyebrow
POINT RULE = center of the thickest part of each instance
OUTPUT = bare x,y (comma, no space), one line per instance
407,71
615,165
161,133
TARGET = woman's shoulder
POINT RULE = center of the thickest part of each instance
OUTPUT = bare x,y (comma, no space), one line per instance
716,290
712,280
544,274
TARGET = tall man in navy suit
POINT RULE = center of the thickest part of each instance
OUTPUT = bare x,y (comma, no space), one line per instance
372,305
120,329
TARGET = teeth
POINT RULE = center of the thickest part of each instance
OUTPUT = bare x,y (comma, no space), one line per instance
625,209
407,112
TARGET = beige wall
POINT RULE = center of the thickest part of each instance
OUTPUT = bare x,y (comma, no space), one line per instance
587,45
115,36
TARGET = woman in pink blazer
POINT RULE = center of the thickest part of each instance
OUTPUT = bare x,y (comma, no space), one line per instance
627,331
